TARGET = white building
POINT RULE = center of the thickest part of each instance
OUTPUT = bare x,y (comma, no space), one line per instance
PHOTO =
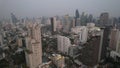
90,25
82,31
63,44
33,46
93,30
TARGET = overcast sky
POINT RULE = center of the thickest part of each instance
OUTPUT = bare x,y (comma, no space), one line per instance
37,8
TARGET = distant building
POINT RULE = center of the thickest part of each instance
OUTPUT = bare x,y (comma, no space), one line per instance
90,18
67,23
33,46
14,19
77,14
90,25
118,44
83,18
82,31
77,18
63,44
77,22
93,30
114,38
54,24
59,25
104,19
1,40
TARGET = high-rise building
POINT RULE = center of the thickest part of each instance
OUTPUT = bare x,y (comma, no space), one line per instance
118,44
77,18
63,44
67,23
77,14
1,41
53,24
82,31
90,53
90,18
104,19
14,19
114,38
83,18
33,46
104,43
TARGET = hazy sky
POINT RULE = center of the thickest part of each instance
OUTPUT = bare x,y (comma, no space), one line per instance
37,8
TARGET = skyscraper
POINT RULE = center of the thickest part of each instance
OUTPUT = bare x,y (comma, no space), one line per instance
33,46
53,24
104,19
67,23
118,44
77,14
77,18
114,38
90,18
14,19
104,43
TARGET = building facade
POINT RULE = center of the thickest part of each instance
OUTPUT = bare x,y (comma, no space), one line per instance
33,46
82,31
63,44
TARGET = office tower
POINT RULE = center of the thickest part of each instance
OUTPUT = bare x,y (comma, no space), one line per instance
77,14
73,23
114,38
67,23
14,19
77,18
63,44
77,22
118,44
33,46
84,19
90,53
105,33
59,25
119,20
53,24
82,31
104,19
90,18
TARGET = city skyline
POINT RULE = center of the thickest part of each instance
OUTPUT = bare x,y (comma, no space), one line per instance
38,8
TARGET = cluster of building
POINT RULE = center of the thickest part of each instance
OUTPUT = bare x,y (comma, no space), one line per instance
85,41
